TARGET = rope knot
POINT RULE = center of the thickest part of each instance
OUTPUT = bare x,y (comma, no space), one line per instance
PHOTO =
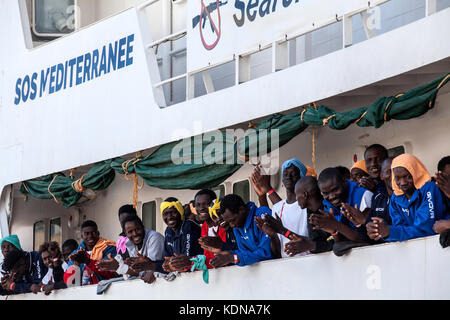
134,177
78,186
325,121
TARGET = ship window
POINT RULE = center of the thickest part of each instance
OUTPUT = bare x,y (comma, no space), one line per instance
242,189
220,191
149,215
396,151
53,18
38,234
55,230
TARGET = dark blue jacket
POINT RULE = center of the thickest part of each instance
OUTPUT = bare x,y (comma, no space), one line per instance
183,241
34,275
380,207
253,244
415,217
230,243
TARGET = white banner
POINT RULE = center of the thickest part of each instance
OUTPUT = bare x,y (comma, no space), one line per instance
217,29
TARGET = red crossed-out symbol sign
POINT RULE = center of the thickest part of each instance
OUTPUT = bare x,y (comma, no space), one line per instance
218,31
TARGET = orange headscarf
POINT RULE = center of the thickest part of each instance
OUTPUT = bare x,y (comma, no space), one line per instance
311,172
361,164
102,244
414,166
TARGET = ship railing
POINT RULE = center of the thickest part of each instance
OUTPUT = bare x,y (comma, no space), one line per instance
280,60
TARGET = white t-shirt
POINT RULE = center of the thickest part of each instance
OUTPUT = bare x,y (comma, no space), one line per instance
294,218
366,201
49,275
211,231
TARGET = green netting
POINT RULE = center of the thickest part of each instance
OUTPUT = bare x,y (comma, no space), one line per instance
206,162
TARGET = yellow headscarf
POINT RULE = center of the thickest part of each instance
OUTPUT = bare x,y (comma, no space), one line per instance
176,204
214,208
361,164
415,167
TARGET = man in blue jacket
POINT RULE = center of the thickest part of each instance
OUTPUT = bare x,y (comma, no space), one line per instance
346,207
253,244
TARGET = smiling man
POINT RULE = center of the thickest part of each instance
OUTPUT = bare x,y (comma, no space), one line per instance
374,157
346,204
144,248
180,238
204,200
90,250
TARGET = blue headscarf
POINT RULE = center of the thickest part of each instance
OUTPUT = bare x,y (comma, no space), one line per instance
296,163
13,239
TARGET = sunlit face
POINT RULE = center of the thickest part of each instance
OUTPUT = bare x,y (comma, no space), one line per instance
404,180
90,236
134,232
290,177
374,157
334,191
171,217
202,203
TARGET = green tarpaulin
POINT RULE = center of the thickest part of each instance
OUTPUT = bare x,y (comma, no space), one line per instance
159,170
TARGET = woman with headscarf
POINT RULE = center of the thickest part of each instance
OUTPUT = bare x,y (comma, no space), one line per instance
416,203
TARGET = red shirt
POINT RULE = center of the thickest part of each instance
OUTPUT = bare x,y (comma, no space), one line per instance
222,234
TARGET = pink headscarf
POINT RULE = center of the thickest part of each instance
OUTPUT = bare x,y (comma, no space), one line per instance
120,244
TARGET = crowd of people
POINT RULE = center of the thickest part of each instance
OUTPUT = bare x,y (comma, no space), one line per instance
379,199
